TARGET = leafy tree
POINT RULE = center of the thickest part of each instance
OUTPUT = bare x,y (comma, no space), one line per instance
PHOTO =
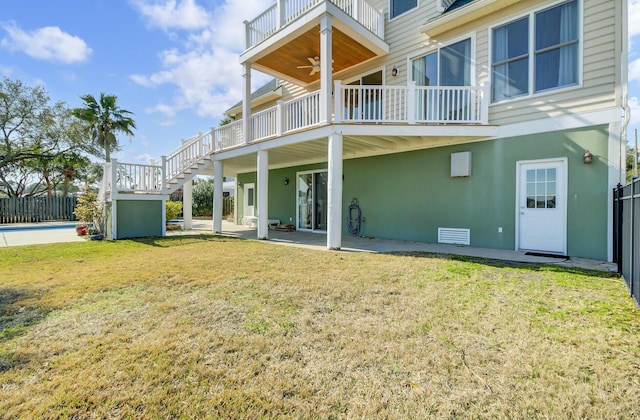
203,197
35,138
103,119
630,166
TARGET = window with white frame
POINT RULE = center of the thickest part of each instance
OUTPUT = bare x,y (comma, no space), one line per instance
520,67
448,67
398,7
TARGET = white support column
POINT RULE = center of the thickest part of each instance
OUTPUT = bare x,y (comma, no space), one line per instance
114,199
218,194
246,104
326,56
334,192
263,194
187,205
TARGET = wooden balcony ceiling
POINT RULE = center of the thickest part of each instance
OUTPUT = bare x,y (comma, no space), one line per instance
347,52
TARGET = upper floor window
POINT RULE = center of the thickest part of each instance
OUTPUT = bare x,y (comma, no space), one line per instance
552,58
447,66
398,7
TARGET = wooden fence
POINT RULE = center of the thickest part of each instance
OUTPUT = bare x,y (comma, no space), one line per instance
36,209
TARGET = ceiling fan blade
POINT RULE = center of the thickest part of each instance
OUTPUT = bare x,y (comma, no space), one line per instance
304,67
313,71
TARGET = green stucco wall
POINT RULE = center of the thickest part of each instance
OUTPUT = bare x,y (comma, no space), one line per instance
139,218
409,195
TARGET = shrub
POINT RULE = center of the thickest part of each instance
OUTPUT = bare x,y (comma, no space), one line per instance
173,209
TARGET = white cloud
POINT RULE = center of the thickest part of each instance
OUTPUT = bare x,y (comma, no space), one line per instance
168,14
162,109
49,43
206,72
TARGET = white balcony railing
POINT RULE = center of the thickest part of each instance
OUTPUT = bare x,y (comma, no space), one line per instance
410,104
301,112
229,135
353,104
284,12
264,124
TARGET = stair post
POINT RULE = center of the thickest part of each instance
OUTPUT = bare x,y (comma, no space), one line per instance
279,118
484,104
411,103
337,101
164,173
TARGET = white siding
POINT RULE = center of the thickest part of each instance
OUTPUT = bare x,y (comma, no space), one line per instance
598,45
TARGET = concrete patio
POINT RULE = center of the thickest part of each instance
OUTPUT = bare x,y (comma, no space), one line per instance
357,244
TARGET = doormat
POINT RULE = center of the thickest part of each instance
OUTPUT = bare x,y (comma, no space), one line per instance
544,254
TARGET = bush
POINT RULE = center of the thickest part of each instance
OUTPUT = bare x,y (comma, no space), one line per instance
89,210
173,209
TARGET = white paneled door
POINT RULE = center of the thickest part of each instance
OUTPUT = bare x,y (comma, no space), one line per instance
542,206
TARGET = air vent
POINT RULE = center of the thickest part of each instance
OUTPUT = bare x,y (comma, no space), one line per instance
454,236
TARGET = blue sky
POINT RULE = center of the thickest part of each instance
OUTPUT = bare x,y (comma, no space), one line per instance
173,63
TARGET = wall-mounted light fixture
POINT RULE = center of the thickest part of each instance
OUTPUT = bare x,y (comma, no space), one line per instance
394,71
286,181
587,158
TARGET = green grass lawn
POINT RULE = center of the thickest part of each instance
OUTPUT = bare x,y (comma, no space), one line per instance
218,327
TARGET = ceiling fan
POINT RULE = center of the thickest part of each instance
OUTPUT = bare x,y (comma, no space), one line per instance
315,65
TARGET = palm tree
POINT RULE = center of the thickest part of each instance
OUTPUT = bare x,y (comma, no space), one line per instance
103,119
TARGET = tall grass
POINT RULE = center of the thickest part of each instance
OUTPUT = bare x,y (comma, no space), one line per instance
216,327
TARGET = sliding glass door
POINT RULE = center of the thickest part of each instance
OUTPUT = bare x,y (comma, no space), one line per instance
312,201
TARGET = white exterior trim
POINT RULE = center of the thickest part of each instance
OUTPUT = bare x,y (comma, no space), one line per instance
564,122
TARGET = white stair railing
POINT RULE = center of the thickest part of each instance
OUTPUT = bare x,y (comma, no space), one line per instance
192,151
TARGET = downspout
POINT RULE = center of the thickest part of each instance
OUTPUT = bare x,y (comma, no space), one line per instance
625,88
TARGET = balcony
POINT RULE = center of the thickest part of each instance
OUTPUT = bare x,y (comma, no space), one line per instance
356,106
287,34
